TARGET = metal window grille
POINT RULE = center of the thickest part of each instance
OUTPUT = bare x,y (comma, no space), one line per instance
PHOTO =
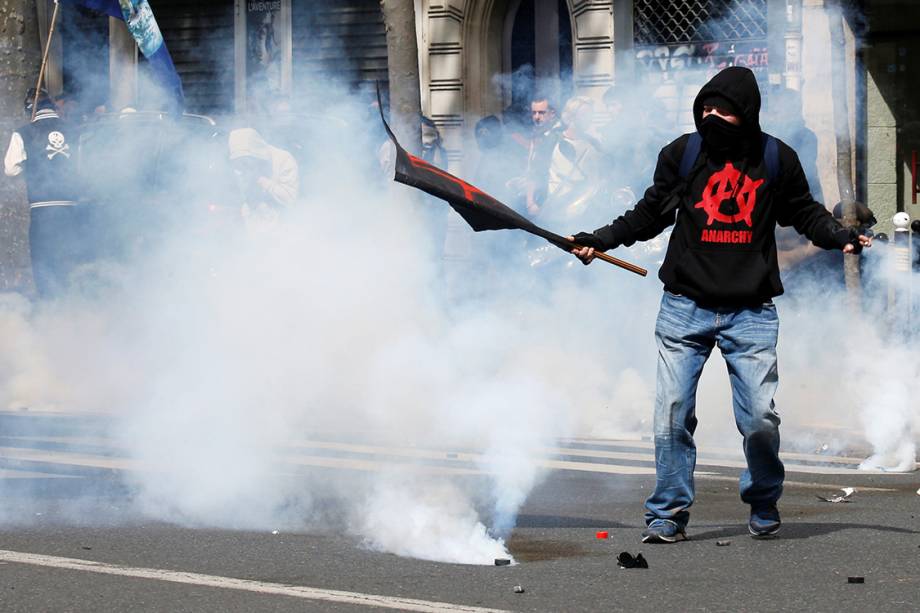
665,22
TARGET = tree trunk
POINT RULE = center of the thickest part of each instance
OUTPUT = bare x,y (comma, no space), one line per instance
20,58
402,63
844,143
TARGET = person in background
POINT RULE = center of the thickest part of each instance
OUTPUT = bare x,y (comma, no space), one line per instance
574,173
542,142
43,152
69,109
493,166
268,176
433,150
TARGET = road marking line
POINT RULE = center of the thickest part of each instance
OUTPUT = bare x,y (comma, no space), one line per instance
365,464
245,585
705,450
829,487
26,474
546,462
403,459
69,458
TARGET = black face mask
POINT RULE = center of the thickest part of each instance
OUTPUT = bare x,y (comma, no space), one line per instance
721,136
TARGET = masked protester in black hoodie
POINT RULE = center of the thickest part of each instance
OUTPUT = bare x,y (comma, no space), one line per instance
720,275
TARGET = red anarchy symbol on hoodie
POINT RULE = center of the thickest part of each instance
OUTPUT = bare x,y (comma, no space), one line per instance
721,186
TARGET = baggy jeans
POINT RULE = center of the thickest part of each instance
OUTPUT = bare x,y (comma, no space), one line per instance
686,334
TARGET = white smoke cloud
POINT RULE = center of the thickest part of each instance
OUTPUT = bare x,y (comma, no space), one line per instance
224,361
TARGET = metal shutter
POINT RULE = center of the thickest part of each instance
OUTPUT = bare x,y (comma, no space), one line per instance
346,38
199,36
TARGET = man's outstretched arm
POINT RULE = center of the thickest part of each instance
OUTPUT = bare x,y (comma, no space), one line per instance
797,208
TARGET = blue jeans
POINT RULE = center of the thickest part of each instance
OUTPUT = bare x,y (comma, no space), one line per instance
746,336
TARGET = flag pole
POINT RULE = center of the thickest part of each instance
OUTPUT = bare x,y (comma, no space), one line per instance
567,245
41,72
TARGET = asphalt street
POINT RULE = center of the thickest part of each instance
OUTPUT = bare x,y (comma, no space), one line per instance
113,560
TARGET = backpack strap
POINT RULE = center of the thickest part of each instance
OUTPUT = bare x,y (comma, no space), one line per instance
691,152
771,157
687,162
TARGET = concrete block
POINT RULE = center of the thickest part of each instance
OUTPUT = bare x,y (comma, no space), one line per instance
594,63
878,111
443,29
883,200
881,163
446,66
594,25
448,102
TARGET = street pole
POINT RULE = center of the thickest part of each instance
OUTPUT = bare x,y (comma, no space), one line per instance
900,307
844,145
402,65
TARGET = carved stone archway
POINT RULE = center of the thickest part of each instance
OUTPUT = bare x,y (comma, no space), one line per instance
461,52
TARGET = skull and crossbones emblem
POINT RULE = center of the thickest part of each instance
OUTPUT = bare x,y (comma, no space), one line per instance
57,145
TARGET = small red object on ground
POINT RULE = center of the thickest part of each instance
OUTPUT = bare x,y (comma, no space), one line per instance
602,534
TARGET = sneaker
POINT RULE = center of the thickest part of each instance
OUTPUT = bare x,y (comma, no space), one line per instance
663,531
764,522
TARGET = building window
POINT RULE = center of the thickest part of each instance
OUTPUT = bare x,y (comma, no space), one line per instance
660,22
701,37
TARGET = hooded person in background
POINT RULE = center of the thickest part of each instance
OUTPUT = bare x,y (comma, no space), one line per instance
42,151
493,166
268,176
725,190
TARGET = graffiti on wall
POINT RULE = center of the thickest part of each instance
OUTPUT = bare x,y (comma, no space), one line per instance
669,61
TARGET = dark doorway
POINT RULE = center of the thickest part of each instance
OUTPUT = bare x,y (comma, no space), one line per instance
540,58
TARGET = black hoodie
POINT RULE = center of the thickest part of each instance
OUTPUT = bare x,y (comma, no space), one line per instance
723,249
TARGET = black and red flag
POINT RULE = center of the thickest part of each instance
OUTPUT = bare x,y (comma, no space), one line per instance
480,210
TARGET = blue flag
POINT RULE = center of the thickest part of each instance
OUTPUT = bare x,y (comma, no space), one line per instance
138,16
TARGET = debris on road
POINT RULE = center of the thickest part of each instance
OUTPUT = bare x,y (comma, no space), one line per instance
725,543
502,562
602,534
626,560
847,492
856,579
518,589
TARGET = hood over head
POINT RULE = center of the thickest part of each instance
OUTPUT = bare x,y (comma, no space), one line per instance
738,86
247,142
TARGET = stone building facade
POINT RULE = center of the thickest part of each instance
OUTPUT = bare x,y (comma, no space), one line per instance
472,51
